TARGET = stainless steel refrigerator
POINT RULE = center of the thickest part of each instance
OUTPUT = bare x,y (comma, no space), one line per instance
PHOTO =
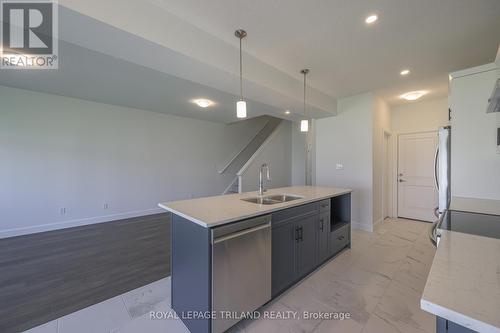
442,170
442,177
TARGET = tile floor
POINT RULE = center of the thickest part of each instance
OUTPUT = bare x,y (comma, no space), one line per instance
378,281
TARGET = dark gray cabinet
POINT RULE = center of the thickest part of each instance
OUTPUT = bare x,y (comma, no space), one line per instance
339,238
323,232
446,326
293,249
283,259
303,238
306,244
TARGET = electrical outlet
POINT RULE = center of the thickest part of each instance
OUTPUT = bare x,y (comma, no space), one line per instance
105,206
62,210
339,166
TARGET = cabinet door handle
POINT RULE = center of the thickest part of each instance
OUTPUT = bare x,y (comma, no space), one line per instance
321,225
301,233
297,234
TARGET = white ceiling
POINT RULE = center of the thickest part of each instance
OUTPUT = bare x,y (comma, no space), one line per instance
101,63
431,37
158,54
97,77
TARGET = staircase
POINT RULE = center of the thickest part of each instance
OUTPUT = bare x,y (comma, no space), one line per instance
238,161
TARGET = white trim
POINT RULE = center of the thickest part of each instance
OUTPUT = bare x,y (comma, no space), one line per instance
76,223
224,168
258,151
394,141
230,185
386,171
497,59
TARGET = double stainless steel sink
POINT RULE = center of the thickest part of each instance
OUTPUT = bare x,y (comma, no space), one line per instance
272,199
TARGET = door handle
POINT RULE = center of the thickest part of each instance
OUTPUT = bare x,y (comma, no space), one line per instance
436,180
402,180
436,212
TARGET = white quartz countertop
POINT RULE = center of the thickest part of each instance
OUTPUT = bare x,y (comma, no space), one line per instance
483,206
213,211
463,285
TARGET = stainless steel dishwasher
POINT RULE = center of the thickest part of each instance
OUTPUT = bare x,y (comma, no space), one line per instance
241,269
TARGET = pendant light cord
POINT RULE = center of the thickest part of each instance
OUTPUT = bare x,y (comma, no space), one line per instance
305,112
241,72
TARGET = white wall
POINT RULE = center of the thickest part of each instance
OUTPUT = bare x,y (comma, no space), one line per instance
419,116
381,123
347,139
475,163
298,155
277,154
62,152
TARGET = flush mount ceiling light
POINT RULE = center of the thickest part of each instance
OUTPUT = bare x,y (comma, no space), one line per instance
371,19
404,72
202,102
304,123
241,105
287,112
413,95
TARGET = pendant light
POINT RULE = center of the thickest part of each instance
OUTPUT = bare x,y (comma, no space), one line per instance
241,105
304,123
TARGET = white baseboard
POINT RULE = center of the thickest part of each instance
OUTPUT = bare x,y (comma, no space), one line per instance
362,226
76,223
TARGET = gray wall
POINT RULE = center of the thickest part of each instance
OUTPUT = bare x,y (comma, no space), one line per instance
277,154
60,152
347,139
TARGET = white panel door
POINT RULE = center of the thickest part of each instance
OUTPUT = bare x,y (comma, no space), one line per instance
417,195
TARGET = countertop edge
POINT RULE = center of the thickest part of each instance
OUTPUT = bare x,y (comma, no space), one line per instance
243,217
457,317
173,211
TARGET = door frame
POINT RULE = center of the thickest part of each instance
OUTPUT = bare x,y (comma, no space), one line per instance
395,161
387,171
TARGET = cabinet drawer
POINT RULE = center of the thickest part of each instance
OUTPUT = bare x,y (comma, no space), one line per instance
339,238
324,205
289,213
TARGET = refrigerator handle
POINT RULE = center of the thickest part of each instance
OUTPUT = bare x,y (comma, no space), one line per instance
436,182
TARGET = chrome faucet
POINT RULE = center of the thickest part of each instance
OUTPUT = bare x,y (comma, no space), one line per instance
261,180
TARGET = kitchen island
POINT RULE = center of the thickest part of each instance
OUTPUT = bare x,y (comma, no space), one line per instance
231,254
463,285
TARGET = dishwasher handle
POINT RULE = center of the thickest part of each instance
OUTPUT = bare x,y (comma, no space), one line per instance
243,232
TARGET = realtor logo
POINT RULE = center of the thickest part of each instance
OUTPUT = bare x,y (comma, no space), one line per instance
29,34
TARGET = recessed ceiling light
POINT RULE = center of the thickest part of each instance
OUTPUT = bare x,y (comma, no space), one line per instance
287,112
202,102
404,72
413,95
371,19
